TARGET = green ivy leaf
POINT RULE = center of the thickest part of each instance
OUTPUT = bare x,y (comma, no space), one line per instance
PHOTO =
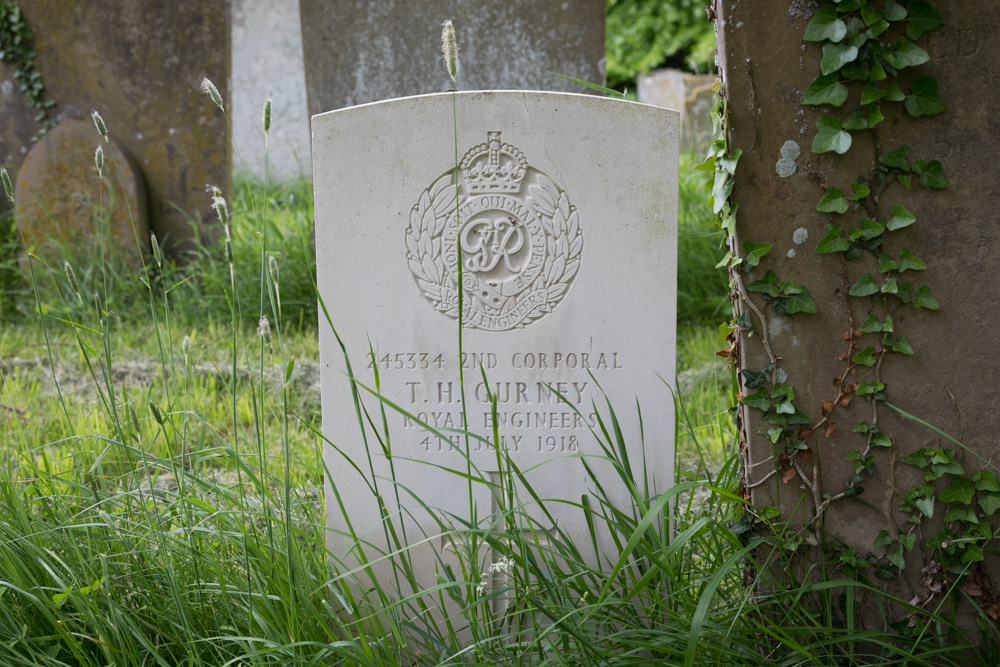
989,503
857,120
931,174
877,28
910,262
894,93
900,218
861,427
926,506
785,407
907,540
728,164
753,379
897,158
836,56
825,90
774,434
902,346
922,18
973,552
886,264
765,285
801,303
845,6
860,190
833,202
865,286
865,357
871,93
754,253
923,299
883,539
871,325
893,11
832,242
869,388
721,189
896,558
986,481
867,230
890,287
874,115
830,136
880,439
960,491
924,99
959,513
907,54
826,24
917,458
870,15
757,400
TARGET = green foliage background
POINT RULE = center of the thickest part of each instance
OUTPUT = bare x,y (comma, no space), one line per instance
645,34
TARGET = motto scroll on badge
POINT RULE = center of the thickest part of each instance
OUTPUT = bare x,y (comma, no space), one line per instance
520,240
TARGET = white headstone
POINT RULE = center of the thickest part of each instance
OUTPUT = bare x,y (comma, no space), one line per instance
567,223
267,60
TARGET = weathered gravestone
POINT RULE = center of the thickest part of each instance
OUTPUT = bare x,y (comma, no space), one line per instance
140,64
358,51
61,198
566,220
691,94
267,60
951,379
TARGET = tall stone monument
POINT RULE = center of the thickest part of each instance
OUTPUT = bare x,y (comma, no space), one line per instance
950,379
140,65
557,235
358,51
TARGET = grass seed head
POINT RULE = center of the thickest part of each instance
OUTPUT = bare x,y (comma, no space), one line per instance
71,277
99,159
209,89
449,47
267,115
99,124
5,177
156,250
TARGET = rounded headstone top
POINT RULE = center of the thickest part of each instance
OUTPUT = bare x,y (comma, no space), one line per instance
61,199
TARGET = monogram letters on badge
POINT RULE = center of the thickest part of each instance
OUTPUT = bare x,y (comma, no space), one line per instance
519,236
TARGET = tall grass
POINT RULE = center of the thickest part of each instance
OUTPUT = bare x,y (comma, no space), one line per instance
175,517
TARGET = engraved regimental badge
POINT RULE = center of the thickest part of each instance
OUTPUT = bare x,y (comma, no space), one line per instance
519,238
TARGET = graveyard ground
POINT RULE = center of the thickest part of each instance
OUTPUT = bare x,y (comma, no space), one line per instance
174,516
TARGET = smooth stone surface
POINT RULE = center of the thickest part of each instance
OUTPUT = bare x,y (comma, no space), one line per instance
690,94
141,64
357,51
59,196
568,233
267,60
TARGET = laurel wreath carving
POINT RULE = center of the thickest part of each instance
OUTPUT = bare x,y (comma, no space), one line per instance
559,220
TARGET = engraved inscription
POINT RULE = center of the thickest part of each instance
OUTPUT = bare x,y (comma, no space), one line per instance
518,236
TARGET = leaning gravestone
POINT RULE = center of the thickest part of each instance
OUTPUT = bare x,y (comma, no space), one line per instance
140,64
565,225
61,197
358,51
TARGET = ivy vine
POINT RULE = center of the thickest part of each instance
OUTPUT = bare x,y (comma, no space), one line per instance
16,49
865,45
